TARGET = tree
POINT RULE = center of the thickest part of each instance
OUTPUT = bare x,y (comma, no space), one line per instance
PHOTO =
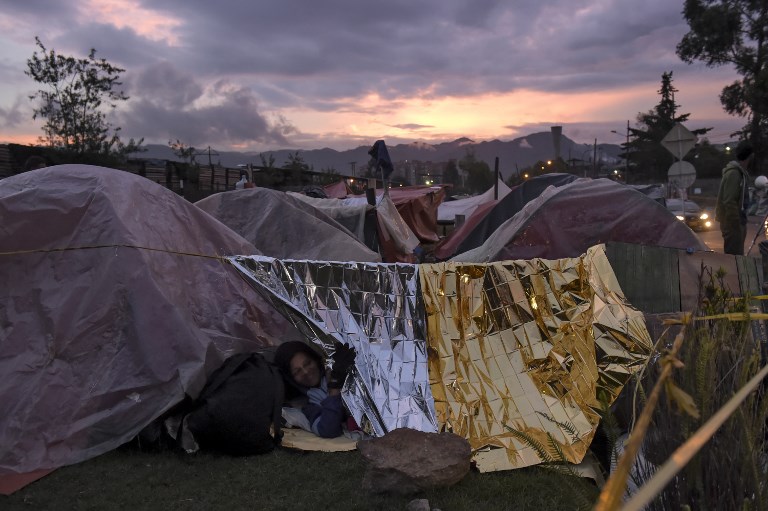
73,103
645,151
183,151
267,162
479,175
296,163
734,32
451,174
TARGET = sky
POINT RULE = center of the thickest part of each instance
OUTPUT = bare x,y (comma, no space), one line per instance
285,74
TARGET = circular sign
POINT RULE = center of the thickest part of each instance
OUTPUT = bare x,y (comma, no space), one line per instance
682,173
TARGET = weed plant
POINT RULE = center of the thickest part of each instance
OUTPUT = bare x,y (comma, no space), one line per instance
719,356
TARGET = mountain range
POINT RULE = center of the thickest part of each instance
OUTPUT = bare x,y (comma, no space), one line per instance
513,155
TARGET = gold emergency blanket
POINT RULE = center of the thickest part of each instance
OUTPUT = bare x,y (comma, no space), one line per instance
528,345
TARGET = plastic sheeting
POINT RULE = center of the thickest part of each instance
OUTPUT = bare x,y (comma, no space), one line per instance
348,212
396,239
418,206
374,308
447,211
283,226
114,305
566,221
529,346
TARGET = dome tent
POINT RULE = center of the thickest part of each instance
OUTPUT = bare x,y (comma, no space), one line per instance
115,306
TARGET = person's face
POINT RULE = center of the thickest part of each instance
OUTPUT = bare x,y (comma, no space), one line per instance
305,370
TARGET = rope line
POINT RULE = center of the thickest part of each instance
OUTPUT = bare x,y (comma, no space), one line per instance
90,247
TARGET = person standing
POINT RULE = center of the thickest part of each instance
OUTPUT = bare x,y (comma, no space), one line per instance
733,200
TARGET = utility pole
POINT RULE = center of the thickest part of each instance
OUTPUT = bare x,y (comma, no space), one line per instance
594,161
626,157
352,164
626,153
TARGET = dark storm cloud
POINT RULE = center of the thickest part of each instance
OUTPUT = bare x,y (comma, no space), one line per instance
230,114
331,56
15,114
165,84
322,51
120,46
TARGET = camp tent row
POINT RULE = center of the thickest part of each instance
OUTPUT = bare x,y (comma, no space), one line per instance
120,298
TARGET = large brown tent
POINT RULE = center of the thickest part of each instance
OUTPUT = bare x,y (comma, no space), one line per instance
114,304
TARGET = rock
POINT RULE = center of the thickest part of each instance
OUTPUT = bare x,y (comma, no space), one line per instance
418,505
406,461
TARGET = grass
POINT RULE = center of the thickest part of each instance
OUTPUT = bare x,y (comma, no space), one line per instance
283,479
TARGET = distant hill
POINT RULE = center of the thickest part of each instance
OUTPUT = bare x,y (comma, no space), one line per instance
513,155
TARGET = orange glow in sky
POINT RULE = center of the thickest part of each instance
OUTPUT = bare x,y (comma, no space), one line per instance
484,116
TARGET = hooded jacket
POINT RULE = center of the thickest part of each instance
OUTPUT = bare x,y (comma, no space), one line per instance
324,412
733,196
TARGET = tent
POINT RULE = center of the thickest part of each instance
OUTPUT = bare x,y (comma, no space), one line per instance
283,226
115,305
447,211
489,216
566,221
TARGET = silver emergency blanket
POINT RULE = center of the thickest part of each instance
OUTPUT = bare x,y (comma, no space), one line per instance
375,308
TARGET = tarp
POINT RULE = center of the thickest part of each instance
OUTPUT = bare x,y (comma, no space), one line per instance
418,206
566,221
114,305
283,226
337,190
447,211
396,239
486,220
475,349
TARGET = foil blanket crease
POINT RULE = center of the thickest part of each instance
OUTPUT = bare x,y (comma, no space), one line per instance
504,354
375,308
522,353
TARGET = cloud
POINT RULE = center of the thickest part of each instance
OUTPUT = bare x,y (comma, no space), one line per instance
411,126
16,114
170,104
267,64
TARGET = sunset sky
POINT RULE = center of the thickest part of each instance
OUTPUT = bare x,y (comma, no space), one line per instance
267,75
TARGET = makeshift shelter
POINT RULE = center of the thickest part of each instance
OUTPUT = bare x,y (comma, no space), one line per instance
418,207
283,226
566,221
488,217
115,304
527,345
120,302
337,190
385,229
448,210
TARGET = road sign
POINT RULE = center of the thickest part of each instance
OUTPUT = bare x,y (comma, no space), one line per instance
681,174
679,141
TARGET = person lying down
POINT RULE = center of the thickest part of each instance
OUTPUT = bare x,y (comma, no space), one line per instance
318,393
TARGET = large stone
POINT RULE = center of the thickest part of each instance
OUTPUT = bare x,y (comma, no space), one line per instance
406,461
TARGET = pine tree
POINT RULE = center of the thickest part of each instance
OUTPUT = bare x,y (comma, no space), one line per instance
647,156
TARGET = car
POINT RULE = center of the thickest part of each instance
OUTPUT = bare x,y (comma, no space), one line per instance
690,213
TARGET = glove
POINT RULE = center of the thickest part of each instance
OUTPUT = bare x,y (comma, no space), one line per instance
343,359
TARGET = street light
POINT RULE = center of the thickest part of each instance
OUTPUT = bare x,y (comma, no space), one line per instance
626,152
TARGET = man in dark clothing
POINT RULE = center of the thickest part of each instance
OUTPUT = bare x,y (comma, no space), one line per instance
732,202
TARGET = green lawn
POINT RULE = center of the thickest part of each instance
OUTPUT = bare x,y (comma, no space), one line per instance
281,480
